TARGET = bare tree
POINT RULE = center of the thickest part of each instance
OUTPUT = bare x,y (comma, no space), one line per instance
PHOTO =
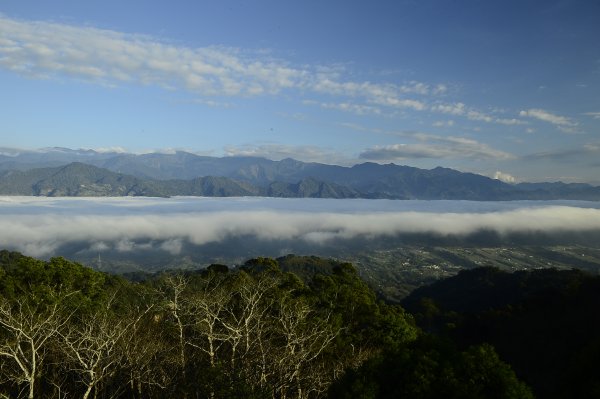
250,319
147,355
208,310
175,303
303,338
27,327
94,347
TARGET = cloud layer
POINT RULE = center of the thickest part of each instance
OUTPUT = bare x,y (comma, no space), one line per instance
51,50
561,122
41,49
40,227
432,146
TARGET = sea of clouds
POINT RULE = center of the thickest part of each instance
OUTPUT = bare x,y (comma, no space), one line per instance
39,226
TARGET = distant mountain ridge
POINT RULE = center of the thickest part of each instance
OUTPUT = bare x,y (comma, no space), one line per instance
82,180
61,172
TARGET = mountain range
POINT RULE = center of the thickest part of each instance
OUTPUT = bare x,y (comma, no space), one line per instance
65,172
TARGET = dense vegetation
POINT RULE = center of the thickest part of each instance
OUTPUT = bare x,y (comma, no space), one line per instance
545,323
251,332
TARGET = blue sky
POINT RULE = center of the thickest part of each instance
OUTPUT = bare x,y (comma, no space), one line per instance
508,88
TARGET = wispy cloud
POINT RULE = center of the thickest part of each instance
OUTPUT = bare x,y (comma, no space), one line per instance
361,128
580,154
562,122
448,123
595,115
431,146
460,109
280,151
359,109
53,50
42,49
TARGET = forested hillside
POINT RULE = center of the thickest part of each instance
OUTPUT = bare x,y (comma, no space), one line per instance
545,323
250,332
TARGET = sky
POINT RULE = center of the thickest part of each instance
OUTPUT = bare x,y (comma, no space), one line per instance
508,89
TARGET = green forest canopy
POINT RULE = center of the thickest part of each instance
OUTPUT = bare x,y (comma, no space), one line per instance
250,332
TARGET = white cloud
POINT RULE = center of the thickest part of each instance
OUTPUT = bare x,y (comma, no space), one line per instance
118,150
440,89
47,50
99,247
505,177
160,224
460,109
278,152
416,88
479,116
112,58
448,123
592,147
354,108
212,103
545,116
42,49
10,152
431,146
172,246
595,115
451,109
509,121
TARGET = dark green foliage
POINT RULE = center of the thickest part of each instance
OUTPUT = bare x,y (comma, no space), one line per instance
431,368
217,269
306,267
39,281
545,323
259,331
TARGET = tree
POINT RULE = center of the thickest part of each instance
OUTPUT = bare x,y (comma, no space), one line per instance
147,355
26,328
303,337
91,348
172,293
432,368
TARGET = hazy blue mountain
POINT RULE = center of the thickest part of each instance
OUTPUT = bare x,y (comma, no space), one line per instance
560,190
75,179
78,180
368,180
16,159
310,188
183,173
208,186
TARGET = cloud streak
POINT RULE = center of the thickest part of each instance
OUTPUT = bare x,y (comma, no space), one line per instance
594,115
460,109
40,49
53,50
562,122
39,228
432,146
278,152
